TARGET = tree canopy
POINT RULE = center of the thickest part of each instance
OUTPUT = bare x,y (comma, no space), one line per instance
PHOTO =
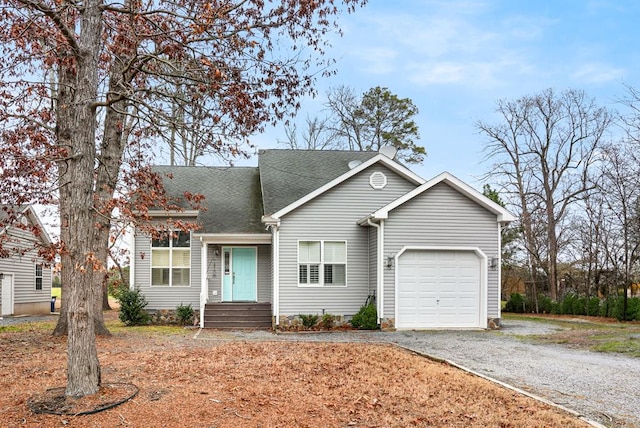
364,123
88,91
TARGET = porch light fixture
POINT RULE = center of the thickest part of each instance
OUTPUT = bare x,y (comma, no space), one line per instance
493,263
389,263
1,276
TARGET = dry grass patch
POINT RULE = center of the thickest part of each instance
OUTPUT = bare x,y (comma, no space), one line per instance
185,382
592,333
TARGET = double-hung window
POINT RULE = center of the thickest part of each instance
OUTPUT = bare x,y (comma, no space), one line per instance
38,277
322,263
171,259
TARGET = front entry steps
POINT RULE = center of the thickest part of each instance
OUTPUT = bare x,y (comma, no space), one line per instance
237,315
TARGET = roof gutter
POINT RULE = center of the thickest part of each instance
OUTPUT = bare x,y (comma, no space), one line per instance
163,213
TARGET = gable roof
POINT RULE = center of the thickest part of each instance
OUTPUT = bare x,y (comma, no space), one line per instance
290,175
23,210
504,216
232,196
291,178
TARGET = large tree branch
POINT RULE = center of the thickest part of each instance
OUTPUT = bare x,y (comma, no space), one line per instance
54,15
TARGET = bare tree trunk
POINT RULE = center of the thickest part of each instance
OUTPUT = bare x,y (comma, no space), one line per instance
105,296
76,133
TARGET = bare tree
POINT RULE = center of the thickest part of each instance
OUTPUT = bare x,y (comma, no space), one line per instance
363,123
620,187
543,151
316,135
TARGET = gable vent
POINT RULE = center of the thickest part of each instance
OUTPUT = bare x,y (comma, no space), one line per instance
378,180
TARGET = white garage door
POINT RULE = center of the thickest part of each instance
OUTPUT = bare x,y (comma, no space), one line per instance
438,289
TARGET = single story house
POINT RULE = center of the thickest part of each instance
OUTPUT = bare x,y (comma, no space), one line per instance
323,232
25,277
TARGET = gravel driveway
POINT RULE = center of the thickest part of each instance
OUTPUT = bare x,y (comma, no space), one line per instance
602,387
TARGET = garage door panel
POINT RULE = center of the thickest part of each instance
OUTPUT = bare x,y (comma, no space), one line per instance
438,289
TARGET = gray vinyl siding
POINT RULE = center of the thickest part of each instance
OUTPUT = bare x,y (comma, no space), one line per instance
333,216
265,291
443,217
142,261
214,274
165,297
23,270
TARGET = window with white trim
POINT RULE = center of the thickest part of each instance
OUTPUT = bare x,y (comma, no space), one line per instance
322,263
171,259
38,277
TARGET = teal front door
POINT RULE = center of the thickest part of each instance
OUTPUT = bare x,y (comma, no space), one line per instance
239,279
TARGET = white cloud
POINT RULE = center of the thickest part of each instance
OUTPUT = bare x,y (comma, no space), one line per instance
598,73
477,74
445,42
378,60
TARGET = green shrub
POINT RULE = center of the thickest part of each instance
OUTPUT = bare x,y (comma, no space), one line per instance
633,309
366,318
115,282
327,321
607,306
580,306
309,320
593,307
132,304
184,314
545,305
566,304
516,303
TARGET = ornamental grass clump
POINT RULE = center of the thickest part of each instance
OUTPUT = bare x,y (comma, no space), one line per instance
185,314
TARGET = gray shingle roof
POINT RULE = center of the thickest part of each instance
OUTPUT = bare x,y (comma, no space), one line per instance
288,175
232,196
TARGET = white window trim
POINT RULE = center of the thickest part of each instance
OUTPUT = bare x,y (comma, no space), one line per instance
321,283
169,249
41,276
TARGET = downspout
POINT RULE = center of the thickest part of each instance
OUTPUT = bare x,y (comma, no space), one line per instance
499,271
204,283
132,263
276,272
379,268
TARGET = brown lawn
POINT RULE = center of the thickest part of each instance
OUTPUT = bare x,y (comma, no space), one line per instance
186,382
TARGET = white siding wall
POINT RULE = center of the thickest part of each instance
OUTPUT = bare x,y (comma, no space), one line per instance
333,216
26,298
443,217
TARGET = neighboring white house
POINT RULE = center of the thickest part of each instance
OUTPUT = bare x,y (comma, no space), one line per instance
324,231
25,277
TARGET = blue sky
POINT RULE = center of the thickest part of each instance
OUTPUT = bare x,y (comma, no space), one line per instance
455,58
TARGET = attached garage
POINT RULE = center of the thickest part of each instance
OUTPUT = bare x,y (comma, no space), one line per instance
441,288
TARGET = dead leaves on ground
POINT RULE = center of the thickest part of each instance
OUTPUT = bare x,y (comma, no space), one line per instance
260,384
